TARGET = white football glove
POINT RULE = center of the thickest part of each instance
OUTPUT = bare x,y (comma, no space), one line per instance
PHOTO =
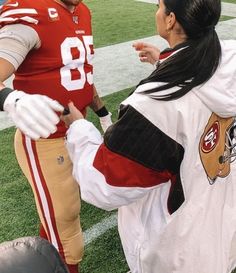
34,115
105,122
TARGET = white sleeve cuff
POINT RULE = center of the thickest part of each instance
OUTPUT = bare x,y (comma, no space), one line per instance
80,133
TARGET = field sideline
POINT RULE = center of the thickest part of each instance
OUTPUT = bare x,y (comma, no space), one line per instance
113,23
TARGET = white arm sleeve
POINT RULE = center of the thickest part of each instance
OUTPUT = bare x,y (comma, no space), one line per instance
16,41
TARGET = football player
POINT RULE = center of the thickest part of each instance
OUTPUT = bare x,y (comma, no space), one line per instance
48,45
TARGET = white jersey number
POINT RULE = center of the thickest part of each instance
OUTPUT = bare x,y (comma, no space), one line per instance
78,64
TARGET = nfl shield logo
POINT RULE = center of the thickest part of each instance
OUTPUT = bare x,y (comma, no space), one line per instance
76,19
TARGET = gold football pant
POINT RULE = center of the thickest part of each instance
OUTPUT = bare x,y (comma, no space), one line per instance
47,166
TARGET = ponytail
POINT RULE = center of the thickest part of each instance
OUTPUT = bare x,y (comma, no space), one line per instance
200,55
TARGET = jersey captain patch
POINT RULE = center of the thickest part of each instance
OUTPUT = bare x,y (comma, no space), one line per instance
53,14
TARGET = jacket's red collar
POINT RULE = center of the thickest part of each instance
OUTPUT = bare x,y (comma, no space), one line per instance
169,51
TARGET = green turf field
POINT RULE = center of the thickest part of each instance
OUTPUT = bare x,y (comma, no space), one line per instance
123,20
113,22
18,214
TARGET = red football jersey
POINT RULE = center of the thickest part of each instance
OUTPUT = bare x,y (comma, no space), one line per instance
61,68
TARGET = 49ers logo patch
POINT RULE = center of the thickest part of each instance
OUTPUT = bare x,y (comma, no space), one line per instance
211,138
215,147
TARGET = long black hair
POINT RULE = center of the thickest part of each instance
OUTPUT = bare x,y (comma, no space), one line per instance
199,58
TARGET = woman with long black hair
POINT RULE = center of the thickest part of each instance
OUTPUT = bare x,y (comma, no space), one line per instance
167,164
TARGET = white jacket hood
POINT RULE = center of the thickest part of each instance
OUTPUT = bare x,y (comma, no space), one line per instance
219,93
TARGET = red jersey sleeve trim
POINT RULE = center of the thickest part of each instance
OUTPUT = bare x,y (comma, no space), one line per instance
18,15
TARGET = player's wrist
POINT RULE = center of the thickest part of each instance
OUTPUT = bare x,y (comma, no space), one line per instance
4,93
105,121
11,97
102,112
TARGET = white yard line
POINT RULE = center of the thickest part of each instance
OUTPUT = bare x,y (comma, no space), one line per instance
118,67
228,9
100,228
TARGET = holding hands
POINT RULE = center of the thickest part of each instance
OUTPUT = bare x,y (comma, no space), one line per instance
148,53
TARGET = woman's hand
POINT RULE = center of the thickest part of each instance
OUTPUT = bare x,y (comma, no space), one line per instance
71,114
148,53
